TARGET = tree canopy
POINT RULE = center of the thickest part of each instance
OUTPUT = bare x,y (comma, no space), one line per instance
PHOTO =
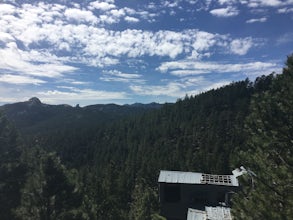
107,167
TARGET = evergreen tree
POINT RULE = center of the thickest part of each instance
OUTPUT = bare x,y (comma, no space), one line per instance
12,170
268,191
51,191
144,204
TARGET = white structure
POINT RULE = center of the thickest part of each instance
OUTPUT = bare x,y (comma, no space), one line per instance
197,178
210,213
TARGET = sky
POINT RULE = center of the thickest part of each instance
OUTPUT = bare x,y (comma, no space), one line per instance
127,51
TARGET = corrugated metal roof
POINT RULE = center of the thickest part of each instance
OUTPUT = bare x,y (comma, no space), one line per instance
179,177
218,213
196,178
210,213
194,214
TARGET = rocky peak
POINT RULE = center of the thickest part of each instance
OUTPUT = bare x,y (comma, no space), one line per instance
34,101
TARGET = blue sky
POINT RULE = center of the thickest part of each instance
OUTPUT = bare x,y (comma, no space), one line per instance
89,52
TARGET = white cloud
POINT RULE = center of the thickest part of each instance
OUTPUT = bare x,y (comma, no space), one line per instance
6,9
254,20
18,79
96,46
13,59
118,13
228,2
74,96
188,72
172,89
192,2
225,12
80,16
177,89
108,19
88,42
6,37
262,3
188,66
267,3
285,10
118,76
134,43
203,40
241,46
101,5
131,19
72,81
123,75
120,79
170,4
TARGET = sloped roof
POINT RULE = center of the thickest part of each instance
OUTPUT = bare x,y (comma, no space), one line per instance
196,178
194,214
210,213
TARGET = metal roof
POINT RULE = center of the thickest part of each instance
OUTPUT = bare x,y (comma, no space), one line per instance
194,214
179,177
210,213
196,178
218,213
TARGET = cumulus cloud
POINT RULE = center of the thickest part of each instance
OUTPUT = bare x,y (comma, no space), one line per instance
6,38
225,12
131,19
7,9
43,40
102,5
80,16
241,46
73,30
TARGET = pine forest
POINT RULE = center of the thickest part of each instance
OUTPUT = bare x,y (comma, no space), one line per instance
102,162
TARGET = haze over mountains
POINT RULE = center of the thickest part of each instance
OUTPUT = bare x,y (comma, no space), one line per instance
32,114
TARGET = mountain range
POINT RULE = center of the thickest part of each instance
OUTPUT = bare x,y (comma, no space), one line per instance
31,115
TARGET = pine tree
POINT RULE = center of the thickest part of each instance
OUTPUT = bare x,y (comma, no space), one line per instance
145,202
269,193
51,191
12,170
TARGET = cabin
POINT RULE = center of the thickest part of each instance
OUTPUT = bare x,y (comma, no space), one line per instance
181,192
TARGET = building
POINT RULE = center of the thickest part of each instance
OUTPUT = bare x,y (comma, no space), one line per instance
205,193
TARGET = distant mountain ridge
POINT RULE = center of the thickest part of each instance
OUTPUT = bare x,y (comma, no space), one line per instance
32,114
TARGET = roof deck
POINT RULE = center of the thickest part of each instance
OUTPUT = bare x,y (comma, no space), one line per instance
197,178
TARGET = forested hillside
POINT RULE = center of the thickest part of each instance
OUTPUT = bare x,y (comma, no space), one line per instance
108,169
